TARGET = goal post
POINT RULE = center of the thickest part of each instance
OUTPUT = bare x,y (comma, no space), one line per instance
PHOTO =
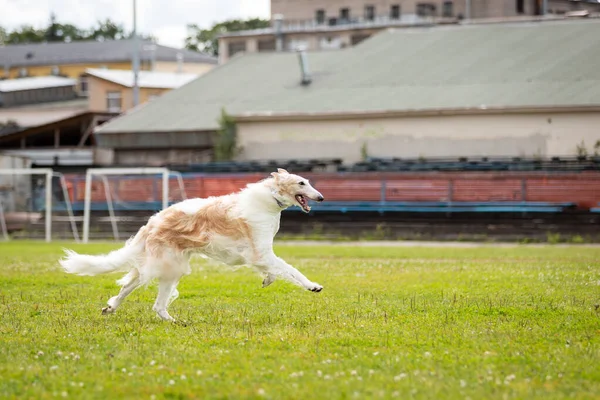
48,173
101,173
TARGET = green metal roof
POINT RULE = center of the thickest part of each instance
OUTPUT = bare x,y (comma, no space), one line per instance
542,64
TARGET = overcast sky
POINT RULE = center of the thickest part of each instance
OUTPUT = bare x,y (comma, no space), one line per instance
164,19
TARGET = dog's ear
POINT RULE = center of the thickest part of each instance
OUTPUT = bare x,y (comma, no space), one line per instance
281,171
275,175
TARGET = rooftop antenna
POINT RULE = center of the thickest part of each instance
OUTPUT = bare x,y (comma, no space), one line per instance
303,58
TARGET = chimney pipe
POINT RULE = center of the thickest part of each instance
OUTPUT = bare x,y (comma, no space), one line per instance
278,28
302,57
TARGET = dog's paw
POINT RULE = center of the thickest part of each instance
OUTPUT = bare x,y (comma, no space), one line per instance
316,288
108,310
268,280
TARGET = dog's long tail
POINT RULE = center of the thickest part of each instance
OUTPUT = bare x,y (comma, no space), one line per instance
117,260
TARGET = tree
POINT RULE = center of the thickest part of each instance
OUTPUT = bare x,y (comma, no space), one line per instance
206,40
3,36
26,34
226,140
59,32
107,30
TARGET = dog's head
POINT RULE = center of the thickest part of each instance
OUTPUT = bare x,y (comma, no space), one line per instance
294,190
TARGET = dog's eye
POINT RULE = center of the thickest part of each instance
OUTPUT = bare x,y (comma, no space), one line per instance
301,183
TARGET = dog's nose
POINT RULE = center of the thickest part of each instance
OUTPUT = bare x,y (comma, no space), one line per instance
320,199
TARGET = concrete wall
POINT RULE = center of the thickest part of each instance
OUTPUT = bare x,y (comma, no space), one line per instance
15,190
440,136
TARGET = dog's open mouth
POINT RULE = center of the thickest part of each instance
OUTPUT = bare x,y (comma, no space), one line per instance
303,202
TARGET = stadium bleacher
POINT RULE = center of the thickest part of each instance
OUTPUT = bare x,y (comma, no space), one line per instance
377,164
377,185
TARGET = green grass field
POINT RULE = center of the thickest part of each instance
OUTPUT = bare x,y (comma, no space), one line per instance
392,322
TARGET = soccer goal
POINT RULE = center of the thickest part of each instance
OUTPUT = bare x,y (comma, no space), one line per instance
108,198
48,205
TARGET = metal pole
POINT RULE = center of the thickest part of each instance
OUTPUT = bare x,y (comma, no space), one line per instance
165,189
3,222
468,9
48,206
136,58
86,207
544,7
63,183
111,210
181,185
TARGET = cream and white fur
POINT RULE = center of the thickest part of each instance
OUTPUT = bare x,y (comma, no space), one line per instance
236,229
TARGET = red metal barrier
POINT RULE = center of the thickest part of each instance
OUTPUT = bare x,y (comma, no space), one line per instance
580,188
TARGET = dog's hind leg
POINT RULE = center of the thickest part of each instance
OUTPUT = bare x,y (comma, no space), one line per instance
174,295
129,283
166,291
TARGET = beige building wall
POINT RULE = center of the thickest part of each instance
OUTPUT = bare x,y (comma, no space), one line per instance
306,9
99,88
547,134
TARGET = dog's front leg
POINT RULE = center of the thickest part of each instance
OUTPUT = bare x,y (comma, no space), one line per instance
269,278
277,267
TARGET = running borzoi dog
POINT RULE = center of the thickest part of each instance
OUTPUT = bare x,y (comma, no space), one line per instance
236,229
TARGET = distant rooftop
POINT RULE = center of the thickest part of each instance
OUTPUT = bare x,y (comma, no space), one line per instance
471,69
146,79
23,55
38,82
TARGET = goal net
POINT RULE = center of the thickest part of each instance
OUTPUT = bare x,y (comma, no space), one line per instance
121,192
47,197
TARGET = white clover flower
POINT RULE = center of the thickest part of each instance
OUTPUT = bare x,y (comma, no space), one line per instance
400,377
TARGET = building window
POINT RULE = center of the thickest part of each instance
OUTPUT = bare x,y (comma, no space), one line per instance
426,10
113,101
448,9
266,45
236,47
520,6
369,13
320,17
83,85
332,21
344,15
395,11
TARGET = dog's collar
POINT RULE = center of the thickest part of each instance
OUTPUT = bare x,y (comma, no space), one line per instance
279,203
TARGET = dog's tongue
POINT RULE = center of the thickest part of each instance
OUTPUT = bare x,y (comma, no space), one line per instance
303,203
